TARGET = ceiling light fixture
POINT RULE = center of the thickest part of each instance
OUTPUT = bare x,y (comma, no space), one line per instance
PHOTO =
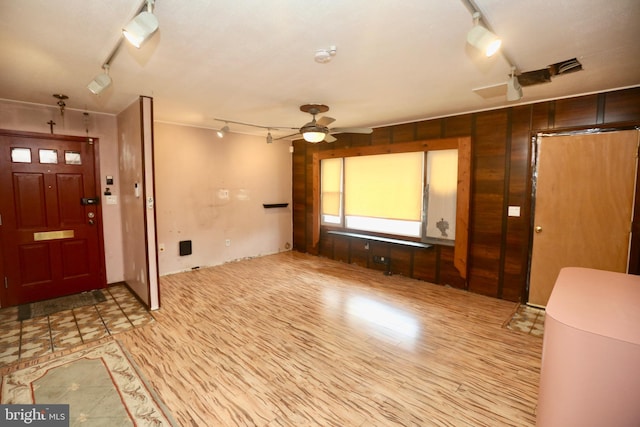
140,28
222,131
514,90
100,82
481,38
269,137
61,97
312,132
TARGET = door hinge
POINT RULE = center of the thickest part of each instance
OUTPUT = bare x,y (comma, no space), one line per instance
6,282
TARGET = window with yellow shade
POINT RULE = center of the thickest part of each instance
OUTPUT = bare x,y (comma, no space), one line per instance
410,194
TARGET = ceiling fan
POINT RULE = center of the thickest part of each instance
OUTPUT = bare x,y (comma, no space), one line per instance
318,130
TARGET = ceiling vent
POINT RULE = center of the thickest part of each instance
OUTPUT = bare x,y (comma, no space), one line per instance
569,66
529,78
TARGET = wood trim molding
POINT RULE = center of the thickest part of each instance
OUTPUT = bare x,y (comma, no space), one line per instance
315,206
461,248
435,144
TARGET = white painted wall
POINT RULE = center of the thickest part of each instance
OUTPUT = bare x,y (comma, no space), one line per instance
191,166
209,190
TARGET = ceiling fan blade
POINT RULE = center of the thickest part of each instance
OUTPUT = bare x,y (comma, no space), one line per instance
325,121
329,138
352,130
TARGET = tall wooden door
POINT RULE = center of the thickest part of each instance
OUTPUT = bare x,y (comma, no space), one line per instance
583,206
51,233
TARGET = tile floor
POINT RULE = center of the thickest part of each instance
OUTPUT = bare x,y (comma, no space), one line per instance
528,319
22,340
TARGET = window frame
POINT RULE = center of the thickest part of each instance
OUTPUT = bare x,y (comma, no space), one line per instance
344,217
462,144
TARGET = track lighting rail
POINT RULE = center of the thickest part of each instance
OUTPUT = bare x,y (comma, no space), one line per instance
144,5
254,125
116,48
270,137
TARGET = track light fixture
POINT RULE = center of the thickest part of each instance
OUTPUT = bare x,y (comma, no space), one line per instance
481,38
101,81
140,28
222,131
514,89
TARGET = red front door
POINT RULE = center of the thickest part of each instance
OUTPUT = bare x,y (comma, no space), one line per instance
51,219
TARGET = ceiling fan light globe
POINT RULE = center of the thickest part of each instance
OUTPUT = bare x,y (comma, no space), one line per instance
314,136
311,132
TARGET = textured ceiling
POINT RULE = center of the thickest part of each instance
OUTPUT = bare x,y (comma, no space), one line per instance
253,60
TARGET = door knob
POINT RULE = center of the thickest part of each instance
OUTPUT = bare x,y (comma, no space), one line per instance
538,229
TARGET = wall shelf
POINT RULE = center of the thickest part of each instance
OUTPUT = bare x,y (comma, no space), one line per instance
275,205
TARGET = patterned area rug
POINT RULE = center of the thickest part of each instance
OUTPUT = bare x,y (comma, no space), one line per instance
55,305
101,384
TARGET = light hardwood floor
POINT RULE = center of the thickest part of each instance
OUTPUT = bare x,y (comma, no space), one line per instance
296,340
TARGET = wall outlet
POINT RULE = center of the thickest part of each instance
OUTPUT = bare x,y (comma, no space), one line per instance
227,242
161,247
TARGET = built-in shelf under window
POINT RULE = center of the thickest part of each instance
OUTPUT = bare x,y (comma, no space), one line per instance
381,239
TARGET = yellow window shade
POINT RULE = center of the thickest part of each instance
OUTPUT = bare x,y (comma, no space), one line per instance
331,177
384,186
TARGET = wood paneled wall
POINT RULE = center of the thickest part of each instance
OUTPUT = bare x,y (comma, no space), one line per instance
499,245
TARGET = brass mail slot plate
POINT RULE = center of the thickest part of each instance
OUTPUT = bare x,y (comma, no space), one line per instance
51,235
